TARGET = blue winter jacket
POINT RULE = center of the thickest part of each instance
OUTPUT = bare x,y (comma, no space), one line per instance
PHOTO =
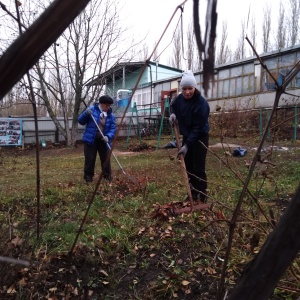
91,129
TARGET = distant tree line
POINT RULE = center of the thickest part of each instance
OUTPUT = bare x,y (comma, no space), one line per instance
96,40
275,34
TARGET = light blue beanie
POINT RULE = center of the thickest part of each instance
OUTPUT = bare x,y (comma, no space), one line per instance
188,79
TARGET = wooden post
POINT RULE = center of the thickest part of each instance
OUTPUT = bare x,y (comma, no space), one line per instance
182,163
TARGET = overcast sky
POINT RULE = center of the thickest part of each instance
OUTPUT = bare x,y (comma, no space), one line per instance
148,19
151,19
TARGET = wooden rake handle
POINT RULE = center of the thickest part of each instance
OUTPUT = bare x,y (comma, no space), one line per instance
183,167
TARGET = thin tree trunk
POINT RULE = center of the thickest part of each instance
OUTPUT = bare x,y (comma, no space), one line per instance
261,276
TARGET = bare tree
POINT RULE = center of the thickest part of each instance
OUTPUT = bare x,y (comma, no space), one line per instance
253,35
293,22
192,57
266,28
175,60
223,55
155,56
16,102
240,52
280,38
84,51
190,51
86,48
197,63
143,53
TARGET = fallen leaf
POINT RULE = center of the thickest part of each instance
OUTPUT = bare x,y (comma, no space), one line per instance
185,282
22,282
141,230
211,270
75,291
103,272
11,290
17,241
220,215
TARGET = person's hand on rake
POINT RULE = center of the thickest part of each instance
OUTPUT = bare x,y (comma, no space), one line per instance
182,151
105,139
172,119
89,111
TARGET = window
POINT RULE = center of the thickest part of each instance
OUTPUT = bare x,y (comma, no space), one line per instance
220,88
286,60
226,88
297,80
235,81
271,63
223,74
232,90
245,87
248,69
238,90
236,71
139,100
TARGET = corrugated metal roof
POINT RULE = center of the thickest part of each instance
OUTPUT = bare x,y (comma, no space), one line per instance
117,71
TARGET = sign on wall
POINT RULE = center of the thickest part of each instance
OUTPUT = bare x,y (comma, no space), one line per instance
10,132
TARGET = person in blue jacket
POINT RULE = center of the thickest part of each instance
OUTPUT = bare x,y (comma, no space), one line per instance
191,111
94,142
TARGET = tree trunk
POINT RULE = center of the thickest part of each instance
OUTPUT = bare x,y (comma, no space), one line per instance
261,275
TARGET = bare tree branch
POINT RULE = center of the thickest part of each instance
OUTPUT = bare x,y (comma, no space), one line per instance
29,47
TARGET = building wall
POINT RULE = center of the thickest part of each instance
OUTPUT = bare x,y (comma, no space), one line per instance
247,84
238,86
151,74
128,84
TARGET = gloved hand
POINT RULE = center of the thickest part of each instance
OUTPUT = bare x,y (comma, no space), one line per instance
105,139
172,119
103,115
89,111
182,151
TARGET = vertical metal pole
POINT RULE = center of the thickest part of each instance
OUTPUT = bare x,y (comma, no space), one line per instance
268,118
261,122
128,132
295,122
137,120
123,82
114,84
166,105
161,123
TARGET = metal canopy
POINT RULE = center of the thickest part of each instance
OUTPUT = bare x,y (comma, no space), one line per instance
116,72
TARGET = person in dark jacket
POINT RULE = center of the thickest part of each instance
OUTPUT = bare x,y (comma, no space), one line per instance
94,141
191,111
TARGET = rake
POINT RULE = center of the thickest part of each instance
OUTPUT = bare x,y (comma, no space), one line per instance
110,149
186,181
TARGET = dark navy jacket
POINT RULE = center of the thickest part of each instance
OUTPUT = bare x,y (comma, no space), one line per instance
90,130
192,116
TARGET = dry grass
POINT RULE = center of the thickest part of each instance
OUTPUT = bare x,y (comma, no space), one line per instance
123,252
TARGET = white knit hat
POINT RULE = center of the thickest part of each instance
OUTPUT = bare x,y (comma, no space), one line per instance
188,79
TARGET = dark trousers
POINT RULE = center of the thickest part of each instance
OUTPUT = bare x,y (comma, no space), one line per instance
195,160
90,155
